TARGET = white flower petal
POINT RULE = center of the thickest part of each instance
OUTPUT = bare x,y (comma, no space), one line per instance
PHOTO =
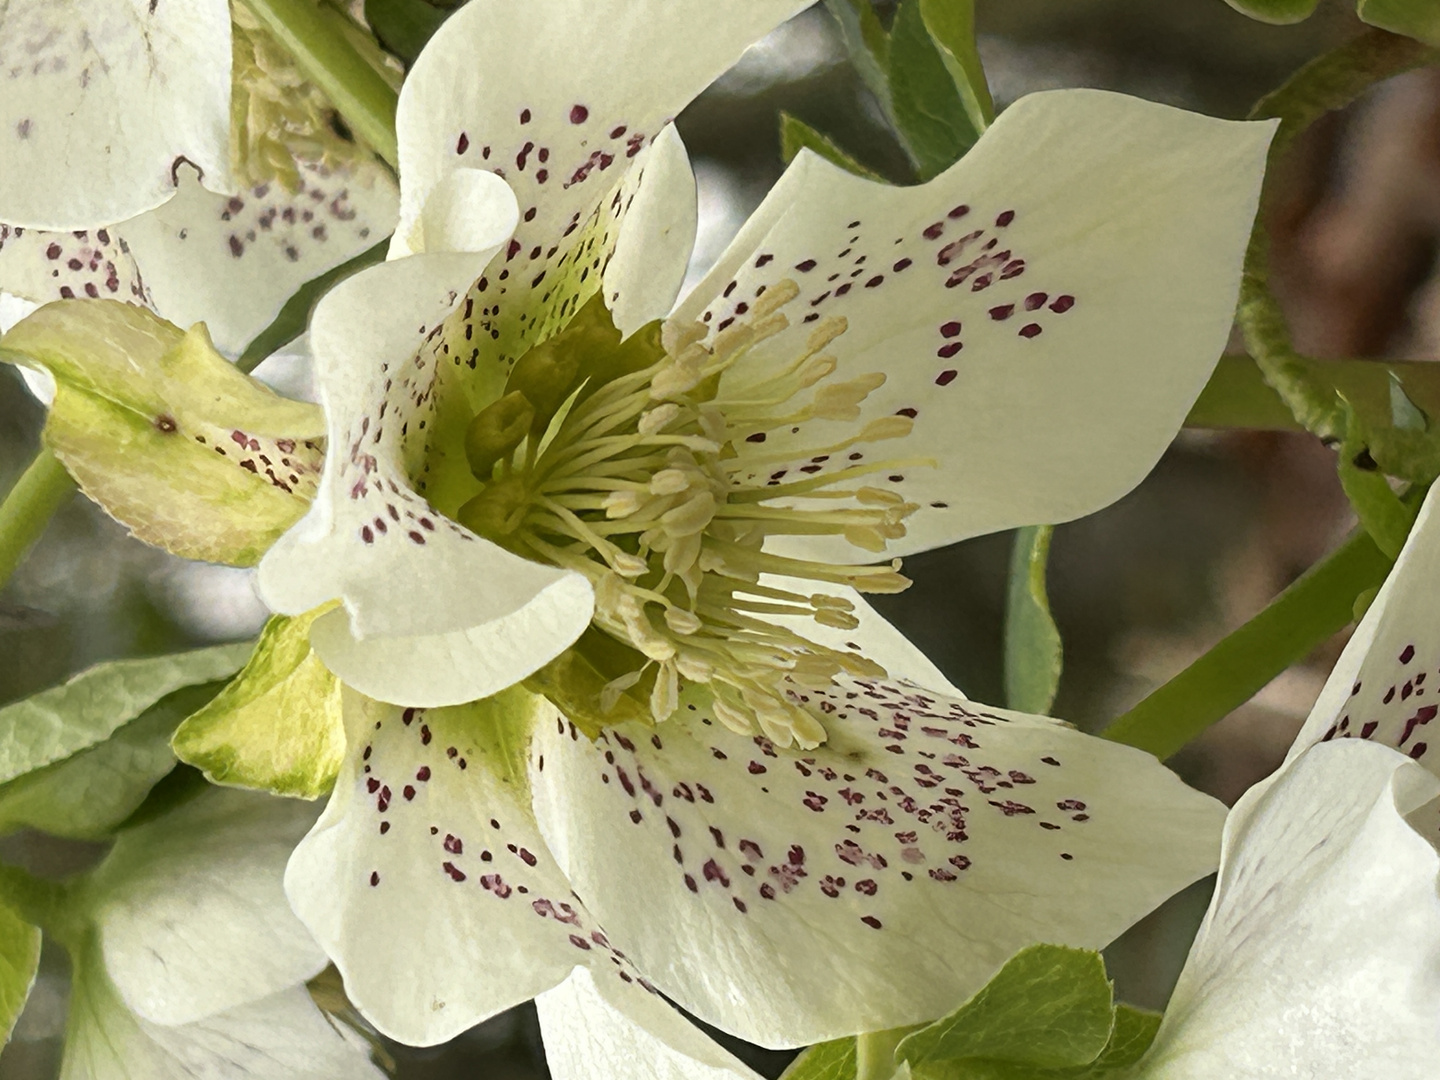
281,1037
427,882
872,883
433,614
653,248
41,266
233,261
1320,956
1047,310
103,101
191,907
598,1027
1383,688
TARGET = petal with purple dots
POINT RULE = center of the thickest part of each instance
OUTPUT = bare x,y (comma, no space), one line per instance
71,68
1045,327
426,880
793,897
1320,955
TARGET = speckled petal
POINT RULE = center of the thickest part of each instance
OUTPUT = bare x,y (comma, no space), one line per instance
41,266
233,261
1383,688
598,1027
793,897
1320,955
426,879
191,908
104,99
1047,310
433,614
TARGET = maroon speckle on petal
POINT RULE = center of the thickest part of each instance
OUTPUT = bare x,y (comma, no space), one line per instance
579,114
945,378
462,144
1062,304
1030,330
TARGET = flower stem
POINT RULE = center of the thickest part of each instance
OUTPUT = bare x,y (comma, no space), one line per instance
875,1054
32,502
331,62
1304,616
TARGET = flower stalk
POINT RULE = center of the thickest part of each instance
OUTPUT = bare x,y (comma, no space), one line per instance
41,490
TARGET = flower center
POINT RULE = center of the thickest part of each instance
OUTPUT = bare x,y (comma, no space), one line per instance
644,465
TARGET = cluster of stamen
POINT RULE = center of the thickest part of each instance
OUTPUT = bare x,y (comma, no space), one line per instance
657,484
277,116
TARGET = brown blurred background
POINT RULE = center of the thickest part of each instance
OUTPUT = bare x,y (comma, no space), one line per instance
1224,523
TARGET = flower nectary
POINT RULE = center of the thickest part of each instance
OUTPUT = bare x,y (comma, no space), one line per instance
643,465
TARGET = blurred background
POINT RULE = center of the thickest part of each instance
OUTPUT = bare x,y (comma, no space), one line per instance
1224,523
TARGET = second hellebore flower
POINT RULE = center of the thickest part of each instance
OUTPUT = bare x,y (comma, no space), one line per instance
535,471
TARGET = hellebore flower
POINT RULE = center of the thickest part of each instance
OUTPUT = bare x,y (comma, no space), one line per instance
522,454
1320,955
188,962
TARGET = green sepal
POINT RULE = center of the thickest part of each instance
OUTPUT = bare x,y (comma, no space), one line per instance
19,962
89,795
1033,650
164,433
824,1061
404,26
952,27
1049,1007
1279,12
928,110
1382,513
278,725
64,720
796,135
1419,19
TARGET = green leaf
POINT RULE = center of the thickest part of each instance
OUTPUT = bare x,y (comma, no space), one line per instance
404,26
867,42
164,433
89,795
1380,510
62,721
1049,1007
1419,19
1276,11
1033,651
796,135
1133,1033
925,106
19,960
278,726
952,26
825,1061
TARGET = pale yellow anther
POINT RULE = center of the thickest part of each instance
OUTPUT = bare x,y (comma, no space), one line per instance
670,482
658,418
642,633
881,584
627,565
675,380
775,297
691,516
694,667
887,427
714,424
842,400
736,719
825,331
682,621
665,697
676,337
815,369
873,496
623,503
866,537
839,620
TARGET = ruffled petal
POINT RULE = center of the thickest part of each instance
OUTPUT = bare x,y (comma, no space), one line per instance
191,908
105,100
598,1027
1320,955
1383,688
1046,311
433,615
872,883
426,879
232,262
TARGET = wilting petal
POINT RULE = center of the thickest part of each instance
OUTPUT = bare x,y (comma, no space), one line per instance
191,908
1047,310
167,436
103,101
426,879
598,1027
795,897
233,261
1384,688
1320,955
282,1037
433,614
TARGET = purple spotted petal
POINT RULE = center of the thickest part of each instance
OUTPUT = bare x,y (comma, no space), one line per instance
872,883
1386,686
1031,308
427,882
74,70
41,266
1320,955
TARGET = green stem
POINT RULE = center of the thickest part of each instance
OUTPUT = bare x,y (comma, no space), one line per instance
875,1054
1303,617
39,902
331,62
32,502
